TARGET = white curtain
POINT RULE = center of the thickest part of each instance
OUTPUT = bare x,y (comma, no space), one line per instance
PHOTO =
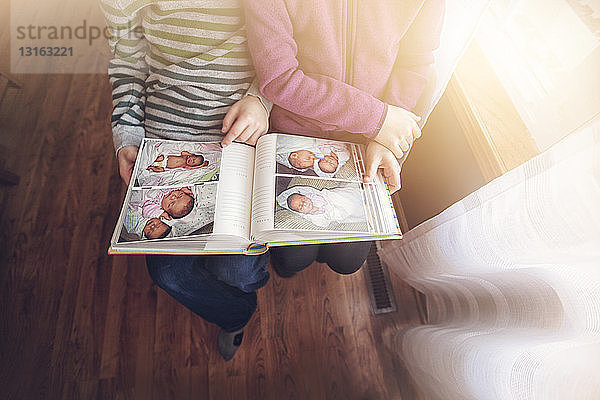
460,23
511,276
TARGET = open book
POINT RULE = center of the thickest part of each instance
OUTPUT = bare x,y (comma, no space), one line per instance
198,198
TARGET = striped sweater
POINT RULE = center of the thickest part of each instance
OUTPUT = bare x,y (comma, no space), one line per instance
178,67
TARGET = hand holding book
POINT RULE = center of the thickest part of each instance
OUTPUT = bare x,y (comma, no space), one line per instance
246,121
399,130
377,156
126,159
288,190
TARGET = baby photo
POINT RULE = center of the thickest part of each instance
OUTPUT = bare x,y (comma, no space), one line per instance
169,212
299,155
164,163
316,204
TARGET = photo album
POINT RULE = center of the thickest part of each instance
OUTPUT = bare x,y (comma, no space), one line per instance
200,198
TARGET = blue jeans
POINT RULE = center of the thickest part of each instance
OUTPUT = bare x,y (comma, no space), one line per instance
219,288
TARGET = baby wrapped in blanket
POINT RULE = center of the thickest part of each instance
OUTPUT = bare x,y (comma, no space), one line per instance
301,153
322,207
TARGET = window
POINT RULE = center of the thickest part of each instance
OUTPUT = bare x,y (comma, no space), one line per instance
546,53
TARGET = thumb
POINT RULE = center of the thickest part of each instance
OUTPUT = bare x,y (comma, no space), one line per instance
372,163
391,172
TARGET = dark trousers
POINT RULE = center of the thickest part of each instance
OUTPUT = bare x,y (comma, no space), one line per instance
343,258
220,289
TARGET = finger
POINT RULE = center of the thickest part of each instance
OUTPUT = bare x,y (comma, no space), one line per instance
254,137
245,134
393,183
126,174
414,116
230,117
416,131
260,131
393,146
371,168
404,145
393,188
398,153
235,131
391,171
124,177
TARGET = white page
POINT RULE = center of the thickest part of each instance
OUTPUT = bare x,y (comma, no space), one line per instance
263,210
388,214
234,195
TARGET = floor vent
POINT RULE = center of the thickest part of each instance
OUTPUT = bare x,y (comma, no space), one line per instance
379,285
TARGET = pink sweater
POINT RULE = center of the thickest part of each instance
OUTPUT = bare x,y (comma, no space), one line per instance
332,66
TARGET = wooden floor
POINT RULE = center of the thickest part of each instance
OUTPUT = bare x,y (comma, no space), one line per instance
76,323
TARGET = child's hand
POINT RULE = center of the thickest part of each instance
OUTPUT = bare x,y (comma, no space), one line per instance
187,190
399,130
126,158
246,121
379,157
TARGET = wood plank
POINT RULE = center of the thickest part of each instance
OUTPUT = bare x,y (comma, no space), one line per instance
117,295
136,371
254,359
171,356
8,178
4,83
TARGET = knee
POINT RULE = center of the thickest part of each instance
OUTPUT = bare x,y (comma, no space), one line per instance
163,274
345,258
247,273
345,269
294,258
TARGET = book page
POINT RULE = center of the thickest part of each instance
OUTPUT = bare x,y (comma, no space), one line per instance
234,195
187,197
172,193
264,185
316,191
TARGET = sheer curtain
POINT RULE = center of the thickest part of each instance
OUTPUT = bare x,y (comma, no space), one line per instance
461,20
512,279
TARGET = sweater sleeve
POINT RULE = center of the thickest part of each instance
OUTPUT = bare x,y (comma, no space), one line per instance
254,90
415,56
127,72
328,101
